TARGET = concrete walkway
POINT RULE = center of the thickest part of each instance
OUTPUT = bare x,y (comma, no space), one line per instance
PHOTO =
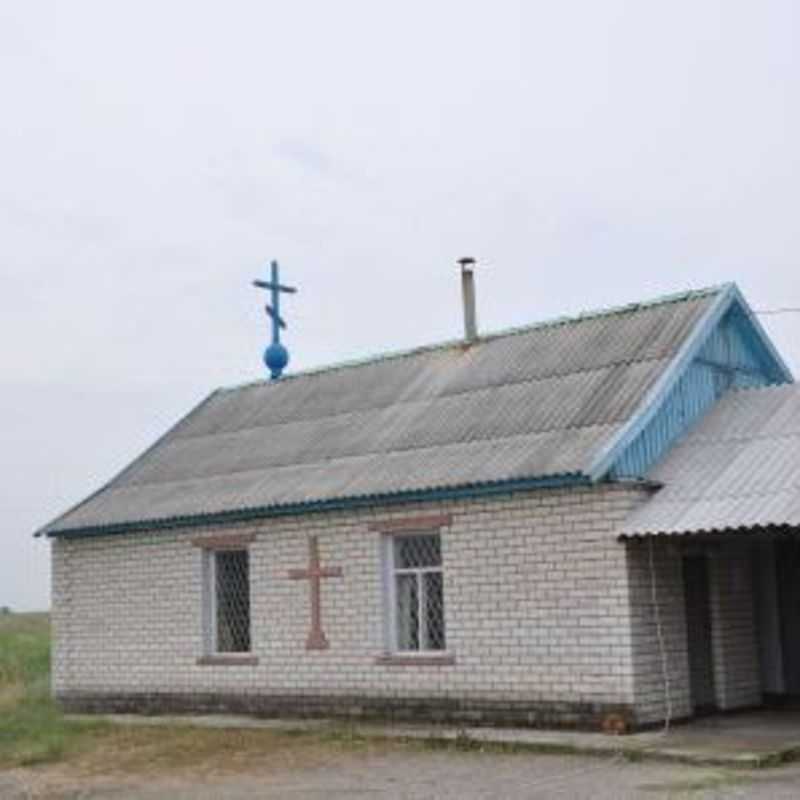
748,740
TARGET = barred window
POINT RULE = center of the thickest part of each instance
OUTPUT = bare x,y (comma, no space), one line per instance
416,593
228,601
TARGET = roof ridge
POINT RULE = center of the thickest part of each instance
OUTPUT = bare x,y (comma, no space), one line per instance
489,387
583,316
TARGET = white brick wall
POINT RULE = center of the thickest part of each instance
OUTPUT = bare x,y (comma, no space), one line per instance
649,684
536,593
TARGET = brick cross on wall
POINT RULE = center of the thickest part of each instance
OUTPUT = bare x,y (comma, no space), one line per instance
315,573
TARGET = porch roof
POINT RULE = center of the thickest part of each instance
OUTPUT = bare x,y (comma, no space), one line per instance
738,469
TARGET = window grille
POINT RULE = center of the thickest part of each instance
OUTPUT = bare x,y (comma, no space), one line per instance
417,592
228,591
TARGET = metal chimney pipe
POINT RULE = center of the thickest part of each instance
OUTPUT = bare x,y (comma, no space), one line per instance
468,293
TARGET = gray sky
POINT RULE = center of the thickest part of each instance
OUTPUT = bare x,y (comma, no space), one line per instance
154,156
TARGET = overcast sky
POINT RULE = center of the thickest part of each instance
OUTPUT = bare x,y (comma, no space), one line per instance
155,155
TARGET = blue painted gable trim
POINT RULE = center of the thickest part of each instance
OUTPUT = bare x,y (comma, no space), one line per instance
689,386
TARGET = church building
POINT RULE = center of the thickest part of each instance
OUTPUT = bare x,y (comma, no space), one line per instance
590,522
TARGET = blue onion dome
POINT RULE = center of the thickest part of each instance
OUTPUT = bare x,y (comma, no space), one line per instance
276,357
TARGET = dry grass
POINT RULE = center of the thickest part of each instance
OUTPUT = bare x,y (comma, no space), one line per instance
33,731
201,752
163,760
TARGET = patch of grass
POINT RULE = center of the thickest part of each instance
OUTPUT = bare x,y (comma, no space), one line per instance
724,779
163,750
32,729
341,735
24,648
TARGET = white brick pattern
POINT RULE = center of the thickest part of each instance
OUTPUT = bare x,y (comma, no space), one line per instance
537,605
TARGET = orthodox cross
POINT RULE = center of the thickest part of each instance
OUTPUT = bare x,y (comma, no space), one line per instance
276,356
315,573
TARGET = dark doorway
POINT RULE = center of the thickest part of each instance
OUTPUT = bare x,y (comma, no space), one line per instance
787,560
698,633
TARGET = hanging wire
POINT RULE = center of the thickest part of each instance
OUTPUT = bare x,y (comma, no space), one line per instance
769,311
662,647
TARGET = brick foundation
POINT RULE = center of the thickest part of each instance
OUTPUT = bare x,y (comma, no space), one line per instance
469,711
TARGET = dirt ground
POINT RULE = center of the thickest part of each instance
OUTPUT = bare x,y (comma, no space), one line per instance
299,768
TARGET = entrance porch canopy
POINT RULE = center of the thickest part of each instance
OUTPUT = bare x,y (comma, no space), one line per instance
737,472
735,481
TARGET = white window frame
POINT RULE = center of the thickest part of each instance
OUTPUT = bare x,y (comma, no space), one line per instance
210,632
390,573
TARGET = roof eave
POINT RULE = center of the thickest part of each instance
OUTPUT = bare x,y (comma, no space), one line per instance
46,528
468,491
777,529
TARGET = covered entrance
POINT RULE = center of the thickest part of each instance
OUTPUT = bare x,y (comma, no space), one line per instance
714,563
742,614
716,623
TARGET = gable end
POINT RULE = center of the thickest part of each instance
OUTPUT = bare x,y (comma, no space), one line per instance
729,350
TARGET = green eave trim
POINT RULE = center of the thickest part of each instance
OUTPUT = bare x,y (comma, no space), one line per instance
317,506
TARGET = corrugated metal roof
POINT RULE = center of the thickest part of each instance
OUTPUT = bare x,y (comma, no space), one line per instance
738,468
534,402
